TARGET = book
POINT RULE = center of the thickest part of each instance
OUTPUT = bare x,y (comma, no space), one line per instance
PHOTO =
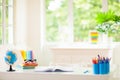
28,67
53,69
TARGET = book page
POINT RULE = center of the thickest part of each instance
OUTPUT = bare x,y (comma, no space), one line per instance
53,69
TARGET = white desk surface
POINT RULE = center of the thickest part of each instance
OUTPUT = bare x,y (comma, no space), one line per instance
32,75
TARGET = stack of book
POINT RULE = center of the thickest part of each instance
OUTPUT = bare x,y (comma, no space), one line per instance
29,64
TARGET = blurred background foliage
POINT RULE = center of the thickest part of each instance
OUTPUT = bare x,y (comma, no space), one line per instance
7,5
84,13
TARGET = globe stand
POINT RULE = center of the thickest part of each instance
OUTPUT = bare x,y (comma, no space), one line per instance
10,69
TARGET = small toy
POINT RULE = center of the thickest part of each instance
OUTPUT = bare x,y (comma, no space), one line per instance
94,37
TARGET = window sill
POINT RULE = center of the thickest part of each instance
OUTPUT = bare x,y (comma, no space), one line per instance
82,45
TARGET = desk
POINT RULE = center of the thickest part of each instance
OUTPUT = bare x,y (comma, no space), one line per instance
32,75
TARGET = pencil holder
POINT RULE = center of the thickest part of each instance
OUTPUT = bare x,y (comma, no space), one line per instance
102,68
96,68
107,67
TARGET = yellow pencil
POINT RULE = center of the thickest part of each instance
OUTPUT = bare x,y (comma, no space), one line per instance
23,53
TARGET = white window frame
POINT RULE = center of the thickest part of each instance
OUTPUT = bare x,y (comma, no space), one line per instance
4,24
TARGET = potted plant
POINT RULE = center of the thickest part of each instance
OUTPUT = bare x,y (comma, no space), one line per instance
108,23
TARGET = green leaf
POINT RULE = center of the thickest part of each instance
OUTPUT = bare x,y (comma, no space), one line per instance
103,17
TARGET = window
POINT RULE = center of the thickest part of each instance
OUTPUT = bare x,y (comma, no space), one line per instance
57,20
114,5
6,21
71,20
84,18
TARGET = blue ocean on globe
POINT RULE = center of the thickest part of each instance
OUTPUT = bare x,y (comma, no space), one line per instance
10,57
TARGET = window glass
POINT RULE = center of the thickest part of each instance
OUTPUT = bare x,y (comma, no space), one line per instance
6,21
115,6
9,2
9,21
0,15
9,34
9,16
0,1
0,34
84,13
84,18
56,19
0,24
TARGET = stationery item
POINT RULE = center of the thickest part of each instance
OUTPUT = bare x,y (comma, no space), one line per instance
29,55
107,67
101,65
30,64
53,69
28,67
86,71
95,60
23,53
96,68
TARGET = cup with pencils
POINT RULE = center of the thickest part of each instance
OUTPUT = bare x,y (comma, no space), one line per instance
29,61
101,65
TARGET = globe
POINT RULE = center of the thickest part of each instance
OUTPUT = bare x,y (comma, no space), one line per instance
10,59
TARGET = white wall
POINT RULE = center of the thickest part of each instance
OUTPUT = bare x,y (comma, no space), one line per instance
20,22
27,26
77,55
27,29
33,26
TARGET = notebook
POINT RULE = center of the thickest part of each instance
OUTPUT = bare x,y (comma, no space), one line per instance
53,69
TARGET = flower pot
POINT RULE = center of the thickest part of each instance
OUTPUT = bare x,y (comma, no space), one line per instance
103,38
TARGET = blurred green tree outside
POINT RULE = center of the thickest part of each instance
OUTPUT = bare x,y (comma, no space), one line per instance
6,19
84,13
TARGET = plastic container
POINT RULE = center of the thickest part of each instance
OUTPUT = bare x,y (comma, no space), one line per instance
102,68
96,68
107,68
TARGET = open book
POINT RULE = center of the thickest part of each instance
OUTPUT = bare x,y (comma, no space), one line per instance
53,69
